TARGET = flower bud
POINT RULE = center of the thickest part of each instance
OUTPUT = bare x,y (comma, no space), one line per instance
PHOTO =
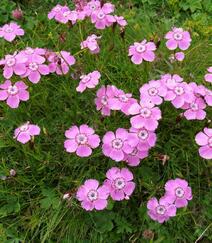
17,13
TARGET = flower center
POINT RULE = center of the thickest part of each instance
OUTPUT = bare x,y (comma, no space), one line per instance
123,98
152,91
178,36
33,66
12,90
65,14
143,134
210,142
145,112
9,30
24,127
10,62
179,192
117,143
194,106
160,210
92,7
140,48
104,100
179,90
29,51
85,78
81,139
119,183
92,195
101,15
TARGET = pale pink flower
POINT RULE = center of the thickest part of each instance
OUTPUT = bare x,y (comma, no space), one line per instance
208,96
91,6
120,184
67,15
92,196
177,37
178,192
24,133
91,43
134,158
204,139
35,52
120,20
81,140
115,145
13,93
10,31
170,81
208,76
57,13
88,81
161,210
140,51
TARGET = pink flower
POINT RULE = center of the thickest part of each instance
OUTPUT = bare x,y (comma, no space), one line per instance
179,56
161,210
15,63
120,20
91,43
154,91
91,195
142,51
178,38
35,52
133,158
80,4
67,15
81,140
102,18
13,93
208,76
171,81
145,115
91,6
103,96
10,31
120,184
195,110
204,139
88,81
59,13
24,133
208,96
116,145
178,192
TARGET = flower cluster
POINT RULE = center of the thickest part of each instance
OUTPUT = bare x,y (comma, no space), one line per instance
177,195
10,31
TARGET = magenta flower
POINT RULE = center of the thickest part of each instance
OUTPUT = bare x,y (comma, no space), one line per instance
145,115
88,81
134,158
102,18
24,133
204,139
142,51
120,20
154,91
178,192
91,43
92,196
208,76
81,140
178,38
10,31
161,210
120,184
170,81
91,6
15,63
13,93
116,145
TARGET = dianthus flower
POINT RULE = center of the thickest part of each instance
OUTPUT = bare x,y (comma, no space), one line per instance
208,76
178,56
134,158
91,6
120,20
91,43
171,81
204,139
10,31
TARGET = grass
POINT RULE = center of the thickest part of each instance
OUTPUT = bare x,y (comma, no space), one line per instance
31,205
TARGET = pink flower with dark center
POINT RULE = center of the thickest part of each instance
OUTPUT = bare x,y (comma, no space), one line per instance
13,93
119,182
91,43
161,210
81,140
145,115
91,6
208,76
178,192
195,110
134,158
88,81
170,81
177,37
141,138
104,94
120,20
10,31
102,18
142,51
24,133
154,91
92,196
204,139
115,145
15,63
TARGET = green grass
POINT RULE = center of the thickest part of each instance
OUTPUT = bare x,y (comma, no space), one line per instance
31,205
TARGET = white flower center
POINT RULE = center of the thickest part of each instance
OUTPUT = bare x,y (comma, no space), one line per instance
117,143
12,90
92,195
152,91
194,106
140,48
179,192
160,210
101,15
143,134
179,90
11,62
29,51
178,36
119,183
104,100
81,139
33,66
210,141
123,98
85,78
9,30
24,127
145,112
65,14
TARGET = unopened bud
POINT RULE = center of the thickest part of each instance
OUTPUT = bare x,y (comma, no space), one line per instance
17,13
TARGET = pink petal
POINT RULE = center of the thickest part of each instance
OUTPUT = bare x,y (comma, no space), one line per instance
129,188
100,204
117,155
13,101
34,130
148,56
19,69
206,152
117,195
23,95
201,139
94,141
3,95
23,137
171,44
34,77
70,145
84,151
44,69
87,205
